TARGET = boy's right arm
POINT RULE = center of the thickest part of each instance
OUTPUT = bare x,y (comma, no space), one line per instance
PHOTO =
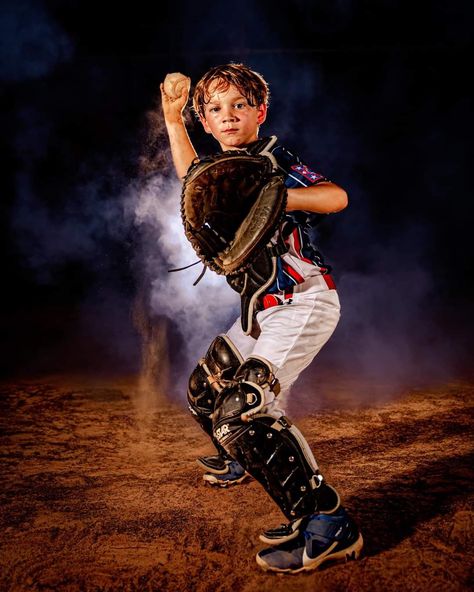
182,149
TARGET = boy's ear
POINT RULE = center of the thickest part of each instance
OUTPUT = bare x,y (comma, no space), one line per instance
262,113
204,124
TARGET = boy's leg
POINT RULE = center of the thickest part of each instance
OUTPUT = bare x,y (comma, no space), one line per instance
293,334
220,362
291,352
290,337
249,422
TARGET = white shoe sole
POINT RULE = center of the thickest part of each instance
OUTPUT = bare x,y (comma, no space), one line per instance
216,482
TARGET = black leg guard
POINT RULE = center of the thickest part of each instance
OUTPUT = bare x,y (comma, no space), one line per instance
212,373
273,451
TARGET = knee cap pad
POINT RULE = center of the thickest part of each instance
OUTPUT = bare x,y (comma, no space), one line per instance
258,371
242,398
211,375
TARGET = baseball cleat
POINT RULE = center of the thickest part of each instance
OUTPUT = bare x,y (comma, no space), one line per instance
234,475
283,533
213,464
326,537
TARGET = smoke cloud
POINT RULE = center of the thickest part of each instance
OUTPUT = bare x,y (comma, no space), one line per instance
49,238
200,312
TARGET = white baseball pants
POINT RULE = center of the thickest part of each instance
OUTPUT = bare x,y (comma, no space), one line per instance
291,336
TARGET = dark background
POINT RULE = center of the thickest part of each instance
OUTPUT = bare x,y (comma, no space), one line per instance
372,93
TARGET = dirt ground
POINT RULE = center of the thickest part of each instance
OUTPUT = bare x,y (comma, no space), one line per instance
100,491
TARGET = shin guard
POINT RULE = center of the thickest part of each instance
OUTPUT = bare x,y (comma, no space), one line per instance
272,450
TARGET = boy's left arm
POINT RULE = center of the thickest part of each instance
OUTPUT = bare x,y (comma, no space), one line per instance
323,198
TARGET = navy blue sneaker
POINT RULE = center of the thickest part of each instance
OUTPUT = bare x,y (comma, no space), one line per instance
213,464
233,475
326,537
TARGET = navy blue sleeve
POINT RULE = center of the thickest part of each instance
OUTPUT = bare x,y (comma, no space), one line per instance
297,174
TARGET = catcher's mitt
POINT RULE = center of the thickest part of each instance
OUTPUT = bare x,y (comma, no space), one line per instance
231,205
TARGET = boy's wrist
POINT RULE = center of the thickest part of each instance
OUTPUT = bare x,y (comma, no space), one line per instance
175,123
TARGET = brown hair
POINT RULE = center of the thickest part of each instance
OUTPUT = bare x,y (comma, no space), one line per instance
251,84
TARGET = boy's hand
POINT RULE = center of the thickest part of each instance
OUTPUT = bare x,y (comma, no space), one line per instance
174,96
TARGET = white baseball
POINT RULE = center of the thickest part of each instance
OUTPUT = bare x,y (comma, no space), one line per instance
175,84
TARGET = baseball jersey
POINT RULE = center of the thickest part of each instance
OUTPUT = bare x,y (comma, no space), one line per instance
303,259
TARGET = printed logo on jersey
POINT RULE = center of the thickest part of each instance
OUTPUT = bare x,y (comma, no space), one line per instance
303,170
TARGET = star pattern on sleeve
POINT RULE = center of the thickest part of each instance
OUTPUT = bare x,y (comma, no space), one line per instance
303,170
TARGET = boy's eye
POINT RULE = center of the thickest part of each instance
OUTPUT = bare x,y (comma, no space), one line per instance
239,105
214,109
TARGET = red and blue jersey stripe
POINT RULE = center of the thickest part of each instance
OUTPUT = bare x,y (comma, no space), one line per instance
298,226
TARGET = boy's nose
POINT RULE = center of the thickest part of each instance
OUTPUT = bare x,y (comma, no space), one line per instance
228,114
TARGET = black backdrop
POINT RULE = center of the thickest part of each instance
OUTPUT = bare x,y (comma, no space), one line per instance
372,93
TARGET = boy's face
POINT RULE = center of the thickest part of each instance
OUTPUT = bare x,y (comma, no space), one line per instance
230,119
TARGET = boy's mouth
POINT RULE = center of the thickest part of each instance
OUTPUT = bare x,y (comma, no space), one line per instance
230,130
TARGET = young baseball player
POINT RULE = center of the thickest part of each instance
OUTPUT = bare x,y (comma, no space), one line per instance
237,391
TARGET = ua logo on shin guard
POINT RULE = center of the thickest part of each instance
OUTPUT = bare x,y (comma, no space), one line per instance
222,432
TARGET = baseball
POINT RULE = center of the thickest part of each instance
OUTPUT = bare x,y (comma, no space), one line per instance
175,84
